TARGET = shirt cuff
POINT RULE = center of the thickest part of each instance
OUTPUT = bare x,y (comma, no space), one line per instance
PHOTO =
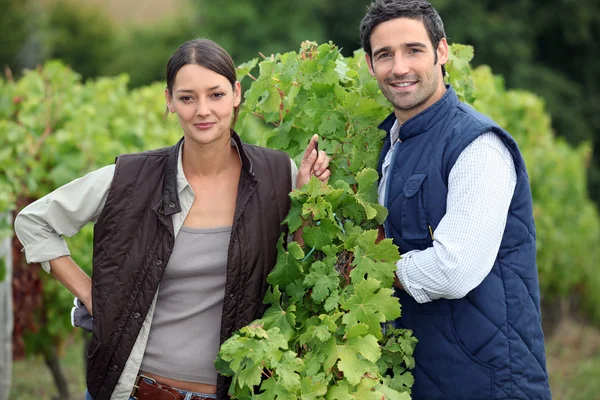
414,290
46,250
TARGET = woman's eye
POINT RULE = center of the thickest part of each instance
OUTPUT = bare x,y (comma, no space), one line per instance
185,98
218,95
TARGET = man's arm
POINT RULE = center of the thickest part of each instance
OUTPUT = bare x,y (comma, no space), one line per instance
466,242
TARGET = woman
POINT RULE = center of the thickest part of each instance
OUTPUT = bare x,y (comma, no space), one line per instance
201,218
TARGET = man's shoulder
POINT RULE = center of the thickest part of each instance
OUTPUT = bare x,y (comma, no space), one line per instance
471,115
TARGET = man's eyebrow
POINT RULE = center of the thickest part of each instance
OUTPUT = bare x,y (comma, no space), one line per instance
415,44
409,44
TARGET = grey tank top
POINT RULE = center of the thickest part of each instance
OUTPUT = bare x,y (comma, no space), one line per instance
184,336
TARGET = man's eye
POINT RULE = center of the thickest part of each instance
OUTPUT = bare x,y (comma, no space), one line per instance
415,51
383,55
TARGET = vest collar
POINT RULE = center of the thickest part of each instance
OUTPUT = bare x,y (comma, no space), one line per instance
424,120
170,199
246,162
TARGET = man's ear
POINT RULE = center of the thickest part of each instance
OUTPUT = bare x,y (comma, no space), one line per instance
443,51
369,64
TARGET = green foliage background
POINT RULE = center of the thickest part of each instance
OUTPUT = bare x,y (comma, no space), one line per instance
54,128
548,47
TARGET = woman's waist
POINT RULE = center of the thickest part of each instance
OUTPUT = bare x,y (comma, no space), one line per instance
183,385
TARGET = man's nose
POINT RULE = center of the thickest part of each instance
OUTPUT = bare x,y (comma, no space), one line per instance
401,66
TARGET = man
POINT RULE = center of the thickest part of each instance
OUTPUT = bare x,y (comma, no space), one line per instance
460,211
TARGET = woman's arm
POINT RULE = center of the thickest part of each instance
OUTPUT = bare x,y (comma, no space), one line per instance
41,226
314,162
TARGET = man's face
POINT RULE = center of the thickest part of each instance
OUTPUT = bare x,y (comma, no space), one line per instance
403,62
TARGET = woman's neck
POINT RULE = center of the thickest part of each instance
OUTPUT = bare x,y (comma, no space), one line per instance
208,160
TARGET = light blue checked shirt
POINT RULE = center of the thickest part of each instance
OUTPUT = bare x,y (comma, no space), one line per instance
481,185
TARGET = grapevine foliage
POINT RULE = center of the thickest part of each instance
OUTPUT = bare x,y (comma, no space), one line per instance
54,129
321,335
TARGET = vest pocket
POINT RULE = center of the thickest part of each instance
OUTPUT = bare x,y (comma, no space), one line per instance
444,367
414,213
91,352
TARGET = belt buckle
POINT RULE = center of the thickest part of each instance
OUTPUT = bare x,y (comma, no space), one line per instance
136,385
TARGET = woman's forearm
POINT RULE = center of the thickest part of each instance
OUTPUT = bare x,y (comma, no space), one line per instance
67,272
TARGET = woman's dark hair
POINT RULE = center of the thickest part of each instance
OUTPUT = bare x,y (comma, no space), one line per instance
384,10
208,54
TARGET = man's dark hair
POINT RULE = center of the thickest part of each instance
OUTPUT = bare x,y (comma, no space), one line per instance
384,10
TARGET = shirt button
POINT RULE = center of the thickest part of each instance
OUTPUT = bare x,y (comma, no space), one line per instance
161,211
171,205
114,367
158,263
136,315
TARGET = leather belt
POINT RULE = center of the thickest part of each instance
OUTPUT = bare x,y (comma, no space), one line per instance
146,388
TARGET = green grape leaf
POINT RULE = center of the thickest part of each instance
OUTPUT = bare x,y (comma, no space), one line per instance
370,304
320,236
357,357
287,269
376,261
323,280
367,191
294,219
244,69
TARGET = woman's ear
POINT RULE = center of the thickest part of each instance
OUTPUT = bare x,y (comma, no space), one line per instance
237,94
169,100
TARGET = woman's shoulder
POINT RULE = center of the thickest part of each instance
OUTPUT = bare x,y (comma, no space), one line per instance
266,152
147,155
161,152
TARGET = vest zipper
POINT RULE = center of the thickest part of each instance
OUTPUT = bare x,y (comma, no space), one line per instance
395,150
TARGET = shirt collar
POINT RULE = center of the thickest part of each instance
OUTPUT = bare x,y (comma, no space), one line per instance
424,120
236,142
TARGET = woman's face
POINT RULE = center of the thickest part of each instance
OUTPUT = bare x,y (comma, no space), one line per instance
203,101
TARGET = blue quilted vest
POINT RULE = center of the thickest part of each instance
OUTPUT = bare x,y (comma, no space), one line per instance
489,344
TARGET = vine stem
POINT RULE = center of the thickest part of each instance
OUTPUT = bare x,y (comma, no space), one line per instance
270,373
35,149
9,75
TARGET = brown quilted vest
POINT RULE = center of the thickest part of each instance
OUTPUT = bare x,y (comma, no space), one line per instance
133,240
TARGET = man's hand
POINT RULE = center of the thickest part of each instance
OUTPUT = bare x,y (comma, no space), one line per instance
397,283
313,162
